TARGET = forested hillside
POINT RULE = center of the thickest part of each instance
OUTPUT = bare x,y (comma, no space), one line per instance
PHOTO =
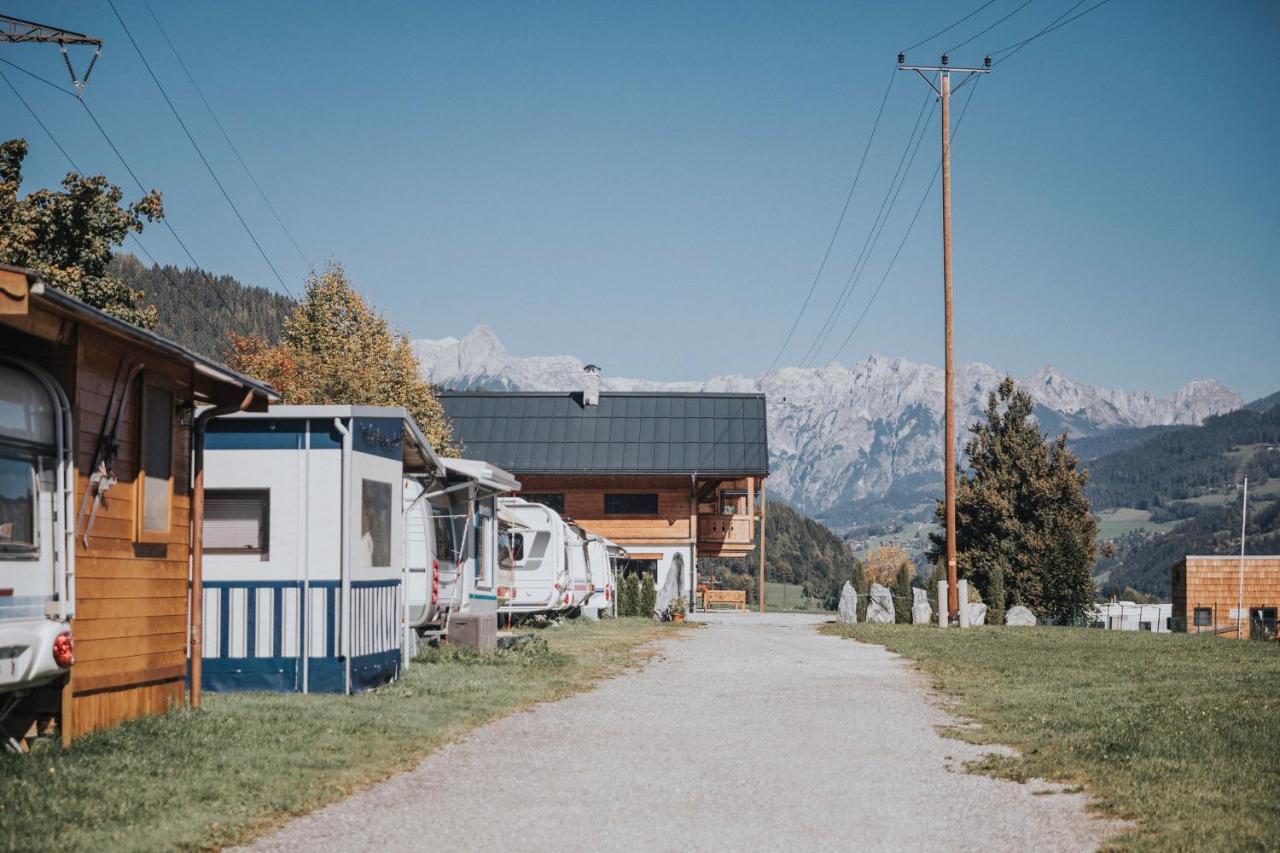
798,550
190,311
1184,463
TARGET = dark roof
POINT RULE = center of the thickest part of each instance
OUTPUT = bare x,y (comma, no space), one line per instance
627,433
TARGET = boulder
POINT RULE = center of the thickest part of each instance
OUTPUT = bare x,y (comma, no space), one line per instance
921,612
1019,616
977,613
847,614
879,605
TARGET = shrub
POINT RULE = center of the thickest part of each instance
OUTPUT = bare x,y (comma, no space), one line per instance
648,597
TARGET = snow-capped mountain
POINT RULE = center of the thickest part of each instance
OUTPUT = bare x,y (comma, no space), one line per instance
839,435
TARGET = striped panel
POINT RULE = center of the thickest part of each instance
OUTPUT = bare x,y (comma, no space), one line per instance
263,620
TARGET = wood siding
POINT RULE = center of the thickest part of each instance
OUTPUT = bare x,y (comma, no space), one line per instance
1214,583
131,603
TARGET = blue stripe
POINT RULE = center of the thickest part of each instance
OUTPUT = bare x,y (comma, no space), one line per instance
224,623
251,623
277,634
483,597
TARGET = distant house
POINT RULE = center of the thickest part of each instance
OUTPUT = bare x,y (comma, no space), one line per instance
1131,616
669,476
1207,593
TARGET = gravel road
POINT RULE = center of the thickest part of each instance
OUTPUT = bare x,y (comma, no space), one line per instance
753,733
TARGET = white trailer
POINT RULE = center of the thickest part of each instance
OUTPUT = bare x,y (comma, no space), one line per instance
304,546
602,557
37,542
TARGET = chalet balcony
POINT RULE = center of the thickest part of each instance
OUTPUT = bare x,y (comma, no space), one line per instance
723,535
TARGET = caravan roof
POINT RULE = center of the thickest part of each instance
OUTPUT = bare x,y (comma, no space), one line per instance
419,456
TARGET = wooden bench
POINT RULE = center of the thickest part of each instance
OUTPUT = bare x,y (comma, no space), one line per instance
735,598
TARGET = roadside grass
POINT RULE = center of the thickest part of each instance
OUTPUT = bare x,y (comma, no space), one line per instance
247,761
1180,734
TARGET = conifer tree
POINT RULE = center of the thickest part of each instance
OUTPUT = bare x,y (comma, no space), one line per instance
1021,513
337,349
648,597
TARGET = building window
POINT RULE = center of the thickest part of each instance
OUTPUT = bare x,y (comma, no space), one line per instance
631,504
733,502
1203,617
375,523
157,460
550,501
1262,623
237,521
640,568
17,505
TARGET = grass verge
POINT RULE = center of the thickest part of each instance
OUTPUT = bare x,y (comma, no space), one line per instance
247,761
1177,733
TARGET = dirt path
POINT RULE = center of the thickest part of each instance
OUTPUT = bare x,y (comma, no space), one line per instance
753,733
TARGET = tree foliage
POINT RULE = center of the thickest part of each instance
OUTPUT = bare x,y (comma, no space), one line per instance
883,564
1021,512
67,235
337,349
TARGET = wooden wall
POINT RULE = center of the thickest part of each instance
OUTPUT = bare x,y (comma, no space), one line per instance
1214,582
131,599
584,503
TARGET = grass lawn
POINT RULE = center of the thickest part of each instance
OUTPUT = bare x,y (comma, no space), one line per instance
1180,734
1114,523
247,761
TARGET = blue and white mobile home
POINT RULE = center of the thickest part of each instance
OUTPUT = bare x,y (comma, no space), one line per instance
304,546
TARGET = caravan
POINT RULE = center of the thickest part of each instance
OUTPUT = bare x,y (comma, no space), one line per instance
603,557
305,548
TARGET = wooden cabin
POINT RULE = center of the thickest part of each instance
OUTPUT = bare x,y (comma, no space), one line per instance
669,476
122,547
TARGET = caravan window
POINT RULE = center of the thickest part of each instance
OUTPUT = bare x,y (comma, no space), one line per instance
17,505
237,521
510,549
445,549
375,522
484,530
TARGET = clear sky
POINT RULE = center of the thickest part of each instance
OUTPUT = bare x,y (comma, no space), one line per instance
650,186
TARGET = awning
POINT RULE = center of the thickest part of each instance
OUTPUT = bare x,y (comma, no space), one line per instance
489,477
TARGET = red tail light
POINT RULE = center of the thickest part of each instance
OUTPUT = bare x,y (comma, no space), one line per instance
64,650
435,581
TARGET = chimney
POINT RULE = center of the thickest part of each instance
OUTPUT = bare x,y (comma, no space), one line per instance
591,385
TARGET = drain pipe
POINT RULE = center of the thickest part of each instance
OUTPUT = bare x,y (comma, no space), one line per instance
345,549
196,668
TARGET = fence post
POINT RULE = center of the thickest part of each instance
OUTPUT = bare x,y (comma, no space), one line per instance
942,604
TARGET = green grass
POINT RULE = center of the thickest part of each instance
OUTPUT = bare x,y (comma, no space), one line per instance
1113,523
1180,734
247,761
786,597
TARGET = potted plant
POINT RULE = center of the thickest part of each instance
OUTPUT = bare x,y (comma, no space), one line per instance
677,609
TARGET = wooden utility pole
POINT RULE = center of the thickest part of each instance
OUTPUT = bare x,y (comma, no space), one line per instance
949,430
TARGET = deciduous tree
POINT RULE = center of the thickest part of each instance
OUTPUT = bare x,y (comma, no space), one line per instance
337,349
67,236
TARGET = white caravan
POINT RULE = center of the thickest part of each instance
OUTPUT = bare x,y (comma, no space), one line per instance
602,556
452,536
557,564
37,549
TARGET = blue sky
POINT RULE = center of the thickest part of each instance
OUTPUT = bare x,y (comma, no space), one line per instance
651,186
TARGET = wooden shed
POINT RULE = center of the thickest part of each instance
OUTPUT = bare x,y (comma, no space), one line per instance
123,588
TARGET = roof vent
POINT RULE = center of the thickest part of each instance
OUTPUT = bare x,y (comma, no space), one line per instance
591,385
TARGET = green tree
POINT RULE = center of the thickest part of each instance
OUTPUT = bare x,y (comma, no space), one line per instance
67,236
337,349
1021,512
648,597
902,595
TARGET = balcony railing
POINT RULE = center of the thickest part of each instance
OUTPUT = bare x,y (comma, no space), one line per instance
726,529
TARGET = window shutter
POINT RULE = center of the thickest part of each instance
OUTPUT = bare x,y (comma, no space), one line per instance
236,520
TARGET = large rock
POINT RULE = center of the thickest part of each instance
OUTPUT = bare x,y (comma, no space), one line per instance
880,605
1019,616
671,589
848,611
921,612
977,613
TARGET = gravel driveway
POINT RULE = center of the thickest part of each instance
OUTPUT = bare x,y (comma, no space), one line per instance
753,733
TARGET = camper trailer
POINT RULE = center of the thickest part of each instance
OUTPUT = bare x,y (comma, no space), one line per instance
305,546
99,441
453,563
602,558
552,561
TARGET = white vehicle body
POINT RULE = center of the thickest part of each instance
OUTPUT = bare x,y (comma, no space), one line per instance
602,556
37,545
540,556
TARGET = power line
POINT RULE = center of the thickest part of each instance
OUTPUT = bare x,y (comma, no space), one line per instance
868,244
227,137
950,26
903,242
839,222
1056,23
199,152
1018,9
180,291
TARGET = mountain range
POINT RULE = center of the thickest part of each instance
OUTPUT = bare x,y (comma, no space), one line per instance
849,443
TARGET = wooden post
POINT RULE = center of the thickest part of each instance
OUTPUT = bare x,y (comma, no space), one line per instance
953,600
762,523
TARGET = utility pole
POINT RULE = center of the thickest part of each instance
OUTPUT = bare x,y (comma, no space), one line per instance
18,31
1244,515
949,475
